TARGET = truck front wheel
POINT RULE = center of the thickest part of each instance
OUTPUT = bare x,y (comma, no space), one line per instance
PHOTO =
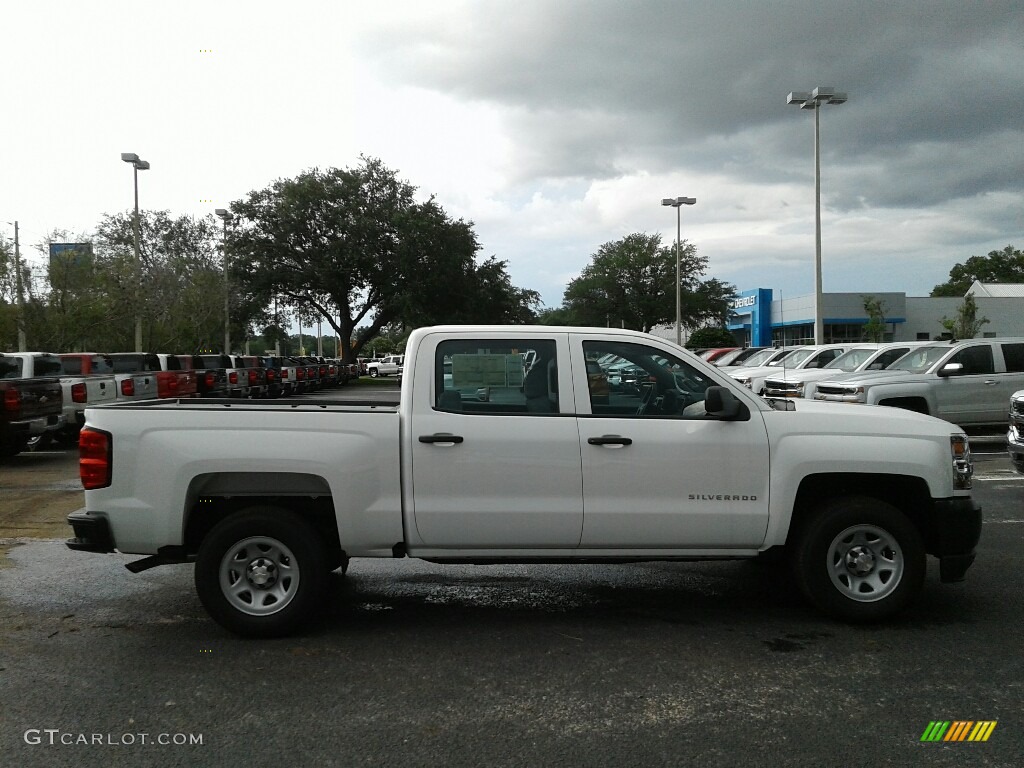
860,559
261,572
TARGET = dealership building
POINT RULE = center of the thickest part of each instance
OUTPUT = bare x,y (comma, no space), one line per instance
759,319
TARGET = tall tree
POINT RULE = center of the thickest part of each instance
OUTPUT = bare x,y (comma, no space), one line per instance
356,247
179,283
1005,266
874,328
966,323
631,282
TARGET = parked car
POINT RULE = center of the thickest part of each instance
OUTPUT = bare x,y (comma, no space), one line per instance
31,409
77,392
388,366
278,376
211,381
129,386
176,382
864,357
1015,435
184,382
811,356
255,374
965,382
236,379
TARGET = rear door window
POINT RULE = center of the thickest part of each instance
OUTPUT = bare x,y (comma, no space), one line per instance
1013,354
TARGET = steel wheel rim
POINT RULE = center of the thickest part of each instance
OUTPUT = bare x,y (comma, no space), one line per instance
865,563
259,576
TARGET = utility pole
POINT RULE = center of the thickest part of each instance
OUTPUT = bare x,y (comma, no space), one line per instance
22,346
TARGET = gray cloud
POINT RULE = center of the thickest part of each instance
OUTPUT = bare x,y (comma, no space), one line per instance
598,89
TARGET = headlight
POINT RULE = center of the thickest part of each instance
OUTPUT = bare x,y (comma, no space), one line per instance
744,382
963,465
799,387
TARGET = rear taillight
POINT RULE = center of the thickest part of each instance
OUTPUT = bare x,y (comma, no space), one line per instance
78,393
166,384
233,377
252,376
271,374
95,451
12,401
284,373
300,373
128,387
210,380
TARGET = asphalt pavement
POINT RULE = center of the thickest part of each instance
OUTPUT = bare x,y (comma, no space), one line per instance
416,664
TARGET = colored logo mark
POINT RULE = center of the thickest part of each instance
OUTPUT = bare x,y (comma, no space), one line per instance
959,730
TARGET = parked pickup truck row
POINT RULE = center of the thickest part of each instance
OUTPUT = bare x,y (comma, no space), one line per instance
511,445
88,378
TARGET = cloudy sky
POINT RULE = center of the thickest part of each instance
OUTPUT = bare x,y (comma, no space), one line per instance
554,125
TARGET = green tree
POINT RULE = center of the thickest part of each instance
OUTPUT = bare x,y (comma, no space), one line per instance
354,246
178,286
874,328
631,282
710,337
966,323
1005,266
557,316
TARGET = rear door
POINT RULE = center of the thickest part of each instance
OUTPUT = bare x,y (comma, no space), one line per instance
495,448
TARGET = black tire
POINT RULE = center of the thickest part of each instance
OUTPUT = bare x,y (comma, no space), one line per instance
859,559
262,572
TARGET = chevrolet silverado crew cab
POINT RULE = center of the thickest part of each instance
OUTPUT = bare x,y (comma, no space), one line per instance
485,460
966,382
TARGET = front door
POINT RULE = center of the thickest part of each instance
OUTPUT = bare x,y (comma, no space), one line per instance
659,474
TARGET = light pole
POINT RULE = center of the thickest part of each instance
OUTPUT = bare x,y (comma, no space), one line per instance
814,100
226,216
137,165
677,203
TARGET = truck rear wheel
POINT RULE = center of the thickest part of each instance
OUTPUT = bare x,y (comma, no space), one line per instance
860,559
261,572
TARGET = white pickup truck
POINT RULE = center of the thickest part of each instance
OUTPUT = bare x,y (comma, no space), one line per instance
484,462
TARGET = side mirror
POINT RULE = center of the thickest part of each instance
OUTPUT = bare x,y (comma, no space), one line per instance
721,403
951,369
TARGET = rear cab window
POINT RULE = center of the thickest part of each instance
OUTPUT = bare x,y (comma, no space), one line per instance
512,376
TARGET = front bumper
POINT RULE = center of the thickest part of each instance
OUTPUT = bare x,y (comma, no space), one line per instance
92,533
954,535
1015,445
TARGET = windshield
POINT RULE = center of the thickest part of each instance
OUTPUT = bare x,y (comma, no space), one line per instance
789,357
760,358
920,360
852,360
